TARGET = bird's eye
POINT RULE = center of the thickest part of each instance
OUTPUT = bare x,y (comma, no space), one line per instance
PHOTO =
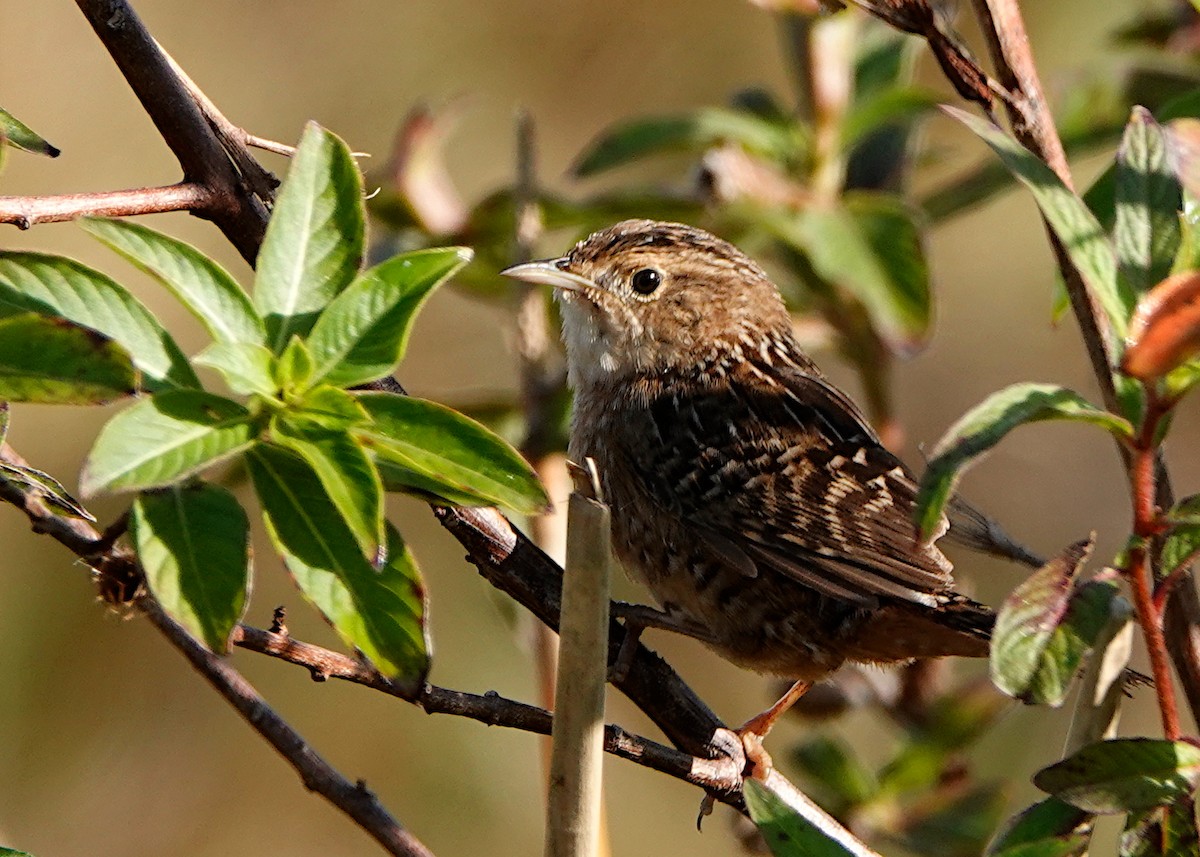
645,281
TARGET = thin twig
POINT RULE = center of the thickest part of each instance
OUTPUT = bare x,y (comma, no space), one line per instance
317,775
26,211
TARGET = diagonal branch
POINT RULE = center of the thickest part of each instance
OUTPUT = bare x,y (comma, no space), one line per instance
26,211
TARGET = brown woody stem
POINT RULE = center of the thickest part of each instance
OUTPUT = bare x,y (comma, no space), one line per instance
26,211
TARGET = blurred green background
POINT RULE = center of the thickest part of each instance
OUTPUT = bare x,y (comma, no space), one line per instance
109,744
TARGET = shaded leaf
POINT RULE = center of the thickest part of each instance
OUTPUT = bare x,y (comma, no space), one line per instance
362,334
200,284
47,489
314,241
1183,142
379,612
692,132
1168,831
986,424
1073,223
1165,331
418,176
54,285
893,106
834,765
52,360
1049,828
456,456
346,472
4,420
16,133
954,824
247,367
1124,775
11,852
194,544
1148,200
787,833
165,439
1179,547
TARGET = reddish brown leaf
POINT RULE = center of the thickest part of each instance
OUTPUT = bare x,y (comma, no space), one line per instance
1166,328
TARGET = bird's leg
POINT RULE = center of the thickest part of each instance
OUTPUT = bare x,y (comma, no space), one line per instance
756,728
639,617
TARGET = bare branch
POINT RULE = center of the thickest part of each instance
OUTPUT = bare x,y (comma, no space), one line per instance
26,211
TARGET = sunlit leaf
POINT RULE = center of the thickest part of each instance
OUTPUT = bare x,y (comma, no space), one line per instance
314,241
52,360
362,334
346,472
1124,775
449,450
986,424
16,133
294,367
787,832
381,612
1076,227
203,286
165,439
46,488
1148,200
194,544
247,367
54,285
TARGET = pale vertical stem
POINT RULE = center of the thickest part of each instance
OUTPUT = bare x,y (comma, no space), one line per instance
574,804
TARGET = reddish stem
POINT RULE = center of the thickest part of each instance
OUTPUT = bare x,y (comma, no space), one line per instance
1146,525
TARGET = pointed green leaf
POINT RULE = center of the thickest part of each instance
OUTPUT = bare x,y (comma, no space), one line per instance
450,450
1148,201
203,286
835,766
788,833
345,470
362,334
1027,621
4,419
1074,224
332,408
52,360
194,543
247,367
294,367
379,612
16,133
10,852
1049,828
1124,775
48,490
692,132
53,285
890,106
314,242
986,424
165,439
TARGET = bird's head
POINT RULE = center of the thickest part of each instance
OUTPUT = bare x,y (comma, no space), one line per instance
646,297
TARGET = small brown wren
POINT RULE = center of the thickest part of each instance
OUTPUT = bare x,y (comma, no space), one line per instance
747,492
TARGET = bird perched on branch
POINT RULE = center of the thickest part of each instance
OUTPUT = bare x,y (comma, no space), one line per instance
748,493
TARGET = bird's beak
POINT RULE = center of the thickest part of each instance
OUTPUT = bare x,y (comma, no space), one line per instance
547,272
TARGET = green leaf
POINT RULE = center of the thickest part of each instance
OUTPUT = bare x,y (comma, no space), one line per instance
1179,547
873,248
46,488
457,456
362,334
1168,831
203,286
986,424
332,408
955,822
314,242
16,133
294,367
52,360
1073,223
12,852
1092,606
165,439
787,832
834,765
1148,201
1027,621
1049,828
1124,775
692,132
4,420
892,106
54,285
345,470
194,544
247,367
1187,257
379,612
